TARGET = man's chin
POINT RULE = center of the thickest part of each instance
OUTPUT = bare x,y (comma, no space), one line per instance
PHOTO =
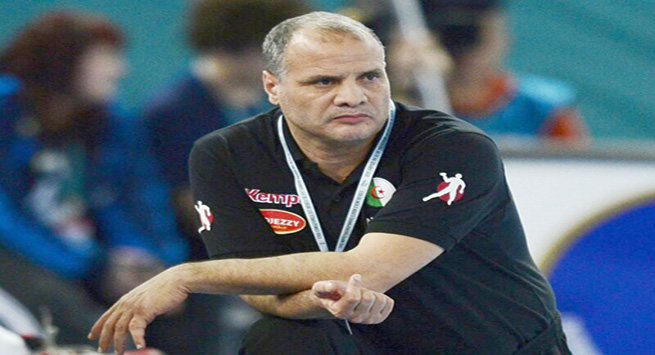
354,136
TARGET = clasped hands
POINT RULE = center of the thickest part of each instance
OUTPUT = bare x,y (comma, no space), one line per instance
134,311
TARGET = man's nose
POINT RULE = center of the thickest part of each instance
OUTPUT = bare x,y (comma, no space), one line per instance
350,94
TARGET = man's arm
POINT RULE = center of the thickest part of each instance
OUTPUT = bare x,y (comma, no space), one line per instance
368,306
382,259
301,305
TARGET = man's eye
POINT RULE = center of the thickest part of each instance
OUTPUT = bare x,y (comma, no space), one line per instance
372,76
324,82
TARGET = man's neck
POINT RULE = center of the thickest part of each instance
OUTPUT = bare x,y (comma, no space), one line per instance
337,161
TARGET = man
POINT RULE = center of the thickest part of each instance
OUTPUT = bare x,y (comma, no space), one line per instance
274,187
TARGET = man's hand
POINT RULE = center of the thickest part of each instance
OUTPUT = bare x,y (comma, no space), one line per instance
352,302
135,310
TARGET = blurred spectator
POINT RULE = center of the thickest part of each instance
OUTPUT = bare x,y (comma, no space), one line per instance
78,226
473,34
222,86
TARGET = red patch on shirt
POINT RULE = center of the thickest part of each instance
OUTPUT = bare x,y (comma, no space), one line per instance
283,222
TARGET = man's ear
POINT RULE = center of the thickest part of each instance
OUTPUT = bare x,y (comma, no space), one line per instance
271,86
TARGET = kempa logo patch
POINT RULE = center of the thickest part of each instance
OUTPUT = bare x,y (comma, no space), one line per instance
283,222
258,196
380,192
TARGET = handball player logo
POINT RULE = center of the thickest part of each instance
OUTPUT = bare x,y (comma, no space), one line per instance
206,216
450,190
380,192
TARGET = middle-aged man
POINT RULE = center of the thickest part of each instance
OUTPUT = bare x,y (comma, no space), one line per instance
341,184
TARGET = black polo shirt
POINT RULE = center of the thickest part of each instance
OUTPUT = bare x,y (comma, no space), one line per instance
440,179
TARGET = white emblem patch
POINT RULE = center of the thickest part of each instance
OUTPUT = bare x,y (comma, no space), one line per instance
206,216
450,190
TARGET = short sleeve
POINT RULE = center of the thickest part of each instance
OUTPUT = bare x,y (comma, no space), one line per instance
228,223
450,184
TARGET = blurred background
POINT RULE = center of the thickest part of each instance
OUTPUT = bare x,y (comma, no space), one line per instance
603,47
587,203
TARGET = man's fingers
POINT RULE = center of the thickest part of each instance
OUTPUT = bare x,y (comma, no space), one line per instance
354,283
326,290
117,328
353,302
120,333
386,310
381,309
97,327
137,329
107,331
334,290
378,307
345,306
366,303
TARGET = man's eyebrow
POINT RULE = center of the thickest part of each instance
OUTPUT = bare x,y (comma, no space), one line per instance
316,78
378,72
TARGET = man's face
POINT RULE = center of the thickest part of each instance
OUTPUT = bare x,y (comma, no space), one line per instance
334,90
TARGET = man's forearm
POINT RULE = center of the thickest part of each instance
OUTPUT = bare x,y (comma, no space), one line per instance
382,259
287,274
301,305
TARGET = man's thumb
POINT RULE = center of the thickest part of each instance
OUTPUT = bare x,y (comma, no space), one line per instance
355,281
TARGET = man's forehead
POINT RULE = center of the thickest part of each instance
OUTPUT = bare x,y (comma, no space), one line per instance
339,48
316,38
335,66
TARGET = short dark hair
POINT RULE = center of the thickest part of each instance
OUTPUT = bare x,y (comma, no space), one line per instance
233,25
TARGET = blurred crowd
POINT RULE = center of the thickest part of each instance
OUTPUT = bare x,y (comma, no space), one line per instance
94,199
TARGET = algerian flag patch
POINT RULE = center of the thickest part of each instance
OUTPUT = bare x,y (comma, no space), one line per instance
380,192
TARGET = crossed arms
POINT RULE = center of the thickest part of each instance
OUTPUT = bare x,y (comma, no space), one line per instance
293,285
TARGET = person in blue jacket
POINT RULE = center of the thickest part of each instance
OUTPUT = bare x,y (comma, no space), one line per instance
83,216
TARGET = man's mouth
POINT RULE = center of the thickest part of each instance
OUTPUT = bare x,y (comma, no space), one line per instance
352,118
